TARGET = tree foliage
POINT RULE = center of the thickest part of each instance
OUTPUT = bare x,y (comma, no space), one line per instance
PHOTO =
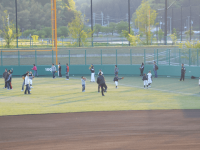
76,30
9,31
145,19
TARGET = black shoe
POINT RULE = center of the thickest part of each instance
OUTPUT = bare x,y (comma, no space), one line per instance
103,95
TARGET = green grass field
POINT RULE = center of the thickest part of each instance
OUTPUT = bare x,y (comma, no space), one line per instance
62,96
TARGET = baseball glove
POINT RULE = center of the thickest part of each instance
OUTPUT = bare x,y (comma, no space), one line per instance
89,67
122,77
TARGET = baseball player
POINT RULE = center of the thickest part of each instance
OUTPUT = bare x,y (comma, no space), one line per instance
145,79
92,73
149,75
116,78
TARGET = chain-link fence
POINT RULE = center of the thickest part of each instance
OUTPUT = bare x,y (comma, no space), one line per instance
122,56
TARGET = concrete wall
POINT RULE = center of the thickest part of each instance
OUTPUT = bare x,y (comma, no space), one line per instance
173,71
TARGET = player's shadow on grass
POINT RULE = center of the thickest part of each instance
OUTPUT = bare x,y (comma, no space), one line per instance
195,113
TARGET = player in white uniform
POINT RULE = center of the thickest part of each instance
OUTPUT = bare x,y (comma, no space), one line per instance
149,78
199,81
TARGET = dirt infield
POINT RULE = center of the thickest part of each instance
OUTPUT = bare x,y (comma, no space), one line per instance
155,130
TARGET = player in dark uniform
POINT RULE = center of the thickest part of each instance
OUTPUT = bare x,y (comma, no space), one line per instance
100,71
101,82
60,75
141,69
145,79
183,70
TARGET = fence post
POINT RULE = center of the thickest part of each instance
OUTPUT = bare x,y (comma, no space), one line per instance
157,56
69,57
35,57
144,56
116,56
179,57
197,57
169,57
101,56
154,55
52,57
85,57
189,56
131,56
18,58
1,59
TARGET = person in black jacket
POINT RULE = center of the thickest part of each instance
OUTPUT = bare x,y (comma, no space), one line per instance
11,72
9,80
145,79
23,77
183,70
141,69
59,69
5,76
101,82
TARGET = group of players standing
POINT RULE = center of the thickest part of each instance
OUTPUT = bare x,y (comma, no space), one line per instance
100,79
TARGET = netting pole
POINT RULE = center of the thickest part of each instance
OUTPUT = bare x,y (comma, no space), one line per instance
131,56
18,58
197,57
85,57
52,57
101,56
1,59
69,57
189,57
157,56
35,57
169,57
116,56
144,56
179,57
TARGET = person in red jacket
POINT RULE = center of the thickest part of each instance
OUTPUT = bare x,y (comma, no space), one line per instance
35,70
67,72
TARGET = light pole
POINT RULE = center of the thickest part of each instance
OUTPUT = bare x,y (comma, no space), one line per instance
181,24
16,24
170,24
92,23
199,27
165,35
190,23
129,18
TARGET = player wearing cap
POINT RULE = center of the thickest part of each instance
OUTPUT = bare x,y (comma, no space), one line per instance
116,78
92,73
149,75
145,79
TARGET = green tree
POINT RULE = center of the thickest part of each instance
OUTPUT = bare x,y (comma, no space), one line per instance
9,30
112,26
105,30
63,31
145,19
121,26
160,35
97,29
187,33
76,30
47,31
28,32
